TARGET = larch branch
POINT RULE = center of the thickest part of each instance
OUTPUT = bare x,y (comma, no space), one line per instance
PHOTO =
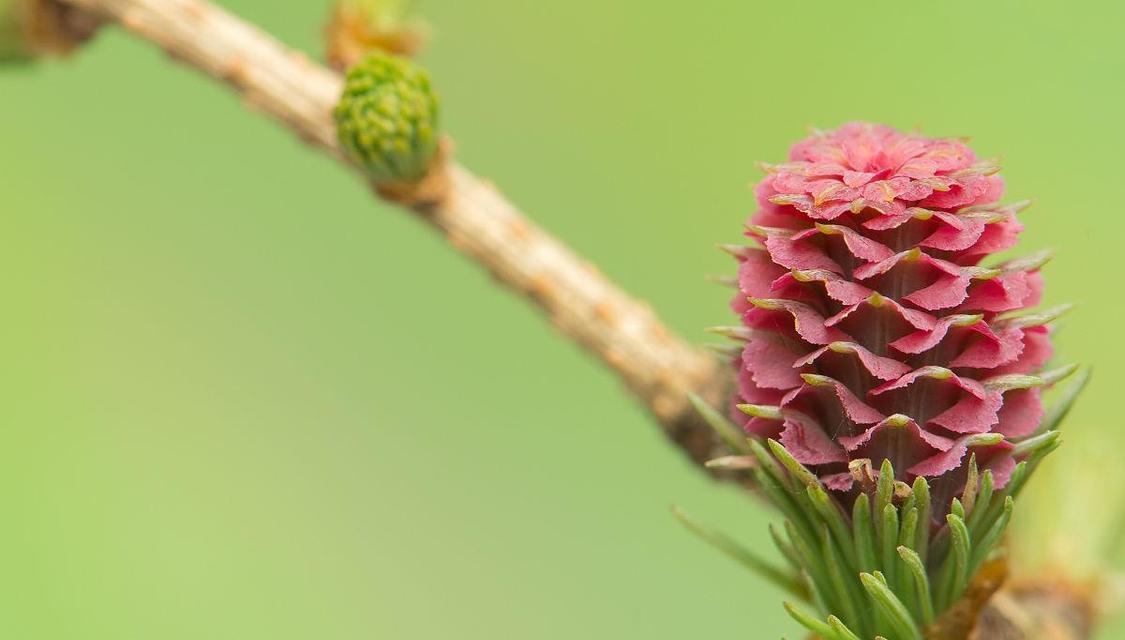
623,332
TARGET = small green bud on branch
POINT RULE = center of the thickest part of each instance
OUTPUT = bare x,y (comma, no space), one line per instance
387,120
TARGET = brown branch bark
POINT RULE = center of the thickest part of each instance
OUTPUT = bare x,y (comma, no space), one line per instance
621,331
1045,608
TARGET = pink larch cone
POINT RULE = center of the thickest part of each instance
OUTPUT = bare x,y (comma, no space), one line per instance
872,331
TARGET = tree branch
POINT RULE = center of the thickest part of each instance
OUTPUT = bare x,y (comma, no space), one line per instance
624,333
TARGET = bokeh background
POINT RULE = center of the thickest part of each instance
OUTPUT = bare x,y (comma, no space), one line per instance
240,399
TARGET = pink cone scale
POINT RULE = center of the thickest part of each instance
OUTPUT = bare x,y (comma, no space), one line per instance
874,324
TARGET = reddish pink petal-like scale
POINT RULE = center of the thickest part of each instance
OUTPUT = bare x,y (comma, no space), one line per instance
945,292
954,234
878,366
996,458
969,386
1014,290
797,253
859,246
809,444
852,407
912,317
805,321
970,415
838,481
933,441
760,357
756,273
995,238
1021,413
990,350
837,288
1036,351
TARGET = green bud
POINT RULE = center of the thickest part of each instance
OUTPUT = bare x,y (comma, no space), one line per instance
386,119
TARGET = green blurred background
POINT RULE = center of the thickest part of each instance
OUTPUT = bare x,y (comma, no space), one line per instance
241,399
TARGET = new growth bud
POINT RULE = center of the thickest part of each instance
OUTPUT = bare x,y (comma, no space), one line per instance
876,325
387,119
359,27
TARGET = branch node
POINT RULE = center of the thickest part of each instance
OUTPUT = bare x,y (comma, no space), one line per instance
427,192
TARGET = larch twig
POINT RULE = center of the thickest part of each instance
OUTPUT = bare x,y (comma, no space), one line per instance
661,368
